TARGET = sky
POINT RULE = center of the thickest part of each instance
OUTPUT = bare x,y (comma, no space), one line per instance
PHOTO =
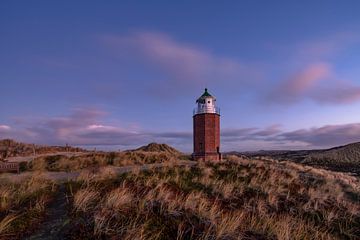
120,74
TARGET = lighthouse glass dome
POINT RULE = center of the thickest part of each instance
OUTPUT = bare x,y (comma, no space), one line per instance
206,104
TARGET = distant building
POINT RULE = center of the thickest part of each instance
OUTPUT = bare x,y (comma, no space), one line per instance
206,118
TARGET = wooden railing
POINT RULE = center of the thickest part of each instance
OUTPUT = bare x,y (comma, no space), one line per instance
9,167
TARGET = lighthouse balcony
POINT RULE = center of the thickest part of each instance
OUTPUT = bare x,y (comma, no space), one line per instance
205,109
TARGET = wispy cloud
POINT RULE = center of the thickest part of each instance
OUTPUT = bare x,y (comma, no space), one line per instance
273,137
307,138
4,128
318,79
300,84
317,83
329,135
86,127
185,64
269,131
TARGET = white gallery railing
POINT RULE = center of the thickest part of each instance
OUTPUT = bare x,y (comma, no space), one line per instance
199,110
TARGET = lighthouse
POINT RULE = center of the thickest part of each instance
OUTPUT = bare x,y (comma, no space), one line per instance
206,123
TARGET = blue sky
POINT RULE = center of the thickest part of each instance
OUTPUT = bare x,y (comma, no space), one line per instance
120,74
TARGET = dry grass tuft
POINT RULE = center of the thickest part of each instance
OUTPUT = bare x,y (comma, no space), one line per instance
120,198
85,199
23,204
5,223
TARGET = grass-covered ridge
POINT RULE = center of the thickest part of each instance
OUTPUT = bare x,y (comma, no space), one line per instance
95,160
237,199
12,148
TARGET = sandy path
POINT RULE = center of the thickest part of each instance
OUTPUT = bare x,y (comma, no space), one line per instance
56,216
55,222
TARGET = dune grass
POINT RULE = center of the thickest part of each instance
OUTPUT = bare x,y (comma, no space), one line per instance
97,159
236,199
23,205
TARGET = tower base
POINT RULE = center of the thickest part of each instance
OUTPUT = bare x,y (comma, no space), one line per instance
213,156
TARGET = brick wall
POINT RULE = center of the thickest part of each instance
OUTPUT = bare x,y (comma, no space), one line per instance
206,136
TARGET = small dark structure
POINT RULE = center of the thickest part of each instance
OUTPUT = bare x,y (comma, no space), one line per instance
9,167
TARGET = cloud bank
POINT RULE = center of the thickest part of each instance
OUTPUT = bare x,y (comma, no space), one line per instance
85,127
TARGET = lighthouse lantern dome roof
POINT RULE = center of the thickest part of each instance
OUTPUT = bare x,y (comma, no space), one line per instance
204,96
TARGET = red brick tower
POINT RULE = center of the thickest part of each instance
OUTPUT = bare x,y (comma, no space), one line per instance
206,129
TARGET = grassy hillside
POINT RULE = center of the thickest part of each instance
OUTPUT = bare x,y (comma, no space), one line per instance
156,147
140,156
11,148
236,199
349,153
343,158
95,160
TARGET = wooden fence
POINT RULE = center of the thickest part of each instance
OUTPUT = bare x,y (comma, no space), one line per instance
9,167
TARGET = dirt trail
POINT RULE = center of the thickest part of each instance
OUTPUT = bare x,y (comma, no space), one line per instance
56,218
55,221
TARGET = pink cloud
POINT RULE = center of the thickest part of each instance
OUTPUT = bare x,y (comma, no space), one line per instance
317,82
301,83
308,78
4,128
318,79
5,131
